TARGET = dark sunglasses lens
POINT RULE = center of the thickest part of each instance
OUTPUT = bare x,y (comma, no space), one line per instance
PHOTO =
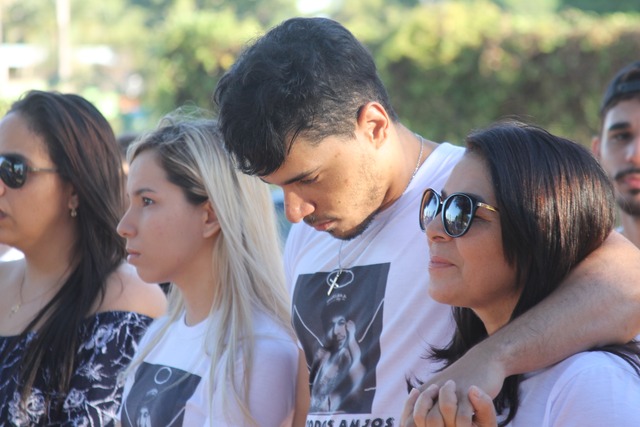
457,215
12,172
430,205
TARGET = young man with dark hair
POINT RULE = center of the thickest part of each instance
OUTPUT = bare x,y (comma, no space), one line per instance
617,145
304,108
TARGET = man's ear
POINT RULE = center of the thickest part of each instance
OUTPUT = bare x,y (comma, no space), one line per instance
211,226
373,121
595,146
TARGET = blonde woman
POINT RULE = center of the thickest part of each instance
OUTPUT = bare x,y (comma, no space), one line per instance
226,353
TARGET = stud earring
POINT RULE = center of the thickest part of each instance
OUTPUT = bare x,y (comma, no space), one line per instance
74,213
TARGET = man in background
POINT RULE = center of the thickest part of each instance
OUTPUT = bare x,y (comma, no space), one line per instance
617,145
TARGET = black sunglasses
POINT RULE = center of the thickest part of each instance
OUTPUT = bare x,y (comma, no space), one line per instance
458,211
14,168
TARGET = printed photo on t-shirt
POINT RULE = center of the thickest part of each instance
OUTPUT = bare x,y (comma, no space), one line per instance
338,318
158,396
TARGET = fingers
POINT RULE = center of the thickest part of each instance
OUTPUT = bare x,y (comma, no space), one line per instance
485,413
421,409
464,411
447,403
423,416
351,326
455,408
406,420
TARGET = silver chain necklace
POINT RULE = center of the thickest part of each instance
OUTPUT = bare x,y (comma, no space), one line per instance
336,274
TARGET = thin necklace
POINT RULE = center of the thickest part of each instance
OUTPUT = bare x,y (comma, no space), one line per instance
16,307
336,274
21,303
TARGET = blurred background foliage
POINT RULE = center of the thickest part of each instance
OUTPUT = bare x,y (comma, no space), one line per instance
450,66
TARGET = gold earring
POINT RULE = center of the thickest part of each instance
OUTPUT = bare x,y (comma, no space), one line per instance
74,213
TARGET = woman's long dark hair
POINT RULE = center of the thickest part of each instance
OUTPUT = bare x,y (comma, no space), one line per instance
556,206
83,148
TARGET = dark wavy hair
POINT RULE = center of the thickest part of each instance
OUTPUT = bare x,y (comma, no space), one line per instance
307,76
556,206
83,148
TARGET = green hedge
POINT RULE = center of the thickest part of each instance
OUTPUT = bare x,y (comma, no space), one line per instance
455,67
449,66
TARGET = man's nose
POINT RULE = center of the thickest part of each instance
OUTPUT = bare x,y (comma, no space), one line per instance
296,207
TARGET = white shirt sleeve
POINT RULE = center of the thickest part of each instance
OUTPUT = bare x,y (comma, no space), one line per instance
606,394
272,392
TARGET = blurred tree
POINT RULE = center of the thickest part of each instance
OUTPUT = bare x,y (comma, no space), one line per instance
32,21
452,67
602,6
115,24
267,12
190,52
529,7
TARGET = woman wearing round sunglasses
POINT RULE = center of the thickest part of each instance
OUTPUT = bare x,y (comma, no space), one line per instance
71,311
519,211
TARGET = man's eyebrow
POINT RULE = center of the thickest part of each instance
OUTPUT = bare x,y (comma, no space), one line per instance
618,126
299,177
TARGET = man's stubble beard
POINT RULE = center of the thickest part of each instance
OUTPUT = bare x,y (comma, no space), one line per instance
629,204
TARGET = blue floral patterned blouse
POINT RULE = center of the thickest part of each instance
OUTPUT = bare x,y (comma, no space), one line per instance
108,342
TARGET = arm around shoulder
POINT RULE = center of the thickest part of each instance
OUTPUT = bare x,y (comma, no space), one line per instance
127,292
597,304
607,285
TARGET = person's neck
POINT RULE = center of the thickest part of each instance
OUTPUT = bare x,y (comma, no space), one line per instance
412,151
197,307
631,228
48,266
39,282
198,288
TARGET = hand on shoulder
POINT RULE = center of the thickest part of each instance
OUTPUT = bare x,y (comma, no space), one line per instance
127,292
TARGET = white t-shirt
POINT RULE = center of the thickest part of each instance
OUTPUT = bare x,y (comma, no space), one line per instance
10,254
171,387
382,299
590,389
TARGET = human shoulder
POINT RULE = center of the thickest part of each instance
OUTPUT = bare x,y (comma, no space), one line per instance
272,339
591,362
445,150
590,377
276,360
125,291
593,389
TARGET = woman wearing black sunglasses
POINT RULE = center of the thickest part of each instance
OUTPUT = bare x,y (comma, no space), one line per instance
71,312
520,210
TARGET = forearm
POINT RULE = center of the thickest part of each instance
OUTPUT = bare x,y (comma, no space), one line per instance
302,393
354,349
599,303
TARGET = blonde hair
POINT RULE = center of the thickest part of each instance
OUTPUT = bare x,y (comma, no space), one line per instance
247,253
